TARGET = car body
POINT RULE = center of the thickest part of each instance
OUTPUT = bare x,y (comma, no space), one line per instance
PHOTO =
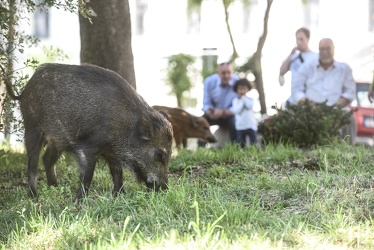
363,113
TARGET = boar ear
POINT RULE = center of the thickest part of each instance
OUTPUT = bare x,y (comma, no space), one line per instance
145,128
164,115
195,122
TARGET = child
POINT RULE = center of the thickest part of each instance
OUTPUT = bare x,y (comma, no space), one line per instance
245,121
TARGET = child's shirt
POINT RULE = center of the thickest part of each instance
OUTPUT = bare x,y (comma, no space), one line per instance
244,115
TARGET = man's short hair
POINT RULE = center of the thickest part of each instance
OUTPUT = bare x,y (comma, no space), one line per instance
223,63
305,31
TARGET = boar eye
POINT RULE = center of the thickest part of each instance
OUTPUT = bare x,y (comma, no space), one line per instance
160,155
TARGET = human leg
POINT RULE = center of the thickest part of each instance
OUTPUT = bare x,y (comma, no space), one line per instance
252,136
241,136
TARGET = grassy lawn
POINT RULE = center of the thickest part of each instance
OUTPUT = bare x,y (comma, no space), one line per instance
278,197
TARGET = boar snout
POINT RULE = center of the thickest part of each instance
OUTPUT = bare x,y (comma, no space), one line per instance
154,184
211,139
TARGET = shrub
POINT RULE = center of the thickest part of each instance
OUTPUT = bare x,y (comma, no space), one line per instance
305,125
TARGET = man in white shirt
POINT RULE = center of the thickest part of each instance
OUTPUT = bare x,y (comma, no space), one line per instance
325,79
300,54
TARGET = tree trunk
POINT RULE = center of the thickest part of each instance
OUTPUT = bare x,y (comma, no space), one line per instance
255,60
7,112
106,41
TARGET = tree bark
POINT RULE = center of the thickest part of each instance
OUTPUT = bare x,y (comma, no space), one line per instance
235,54
255,60
106,41
10,67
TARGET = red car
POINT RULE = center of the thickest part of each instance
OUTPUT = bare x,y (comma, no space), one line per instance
364,114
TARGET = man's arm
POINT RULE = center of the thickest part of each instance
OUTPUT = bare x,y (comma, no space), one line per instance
207,97
349,88
298,84
285,67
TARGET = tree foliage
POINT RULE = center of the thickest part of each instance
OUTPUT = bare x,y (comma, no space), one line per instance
178,75
14,41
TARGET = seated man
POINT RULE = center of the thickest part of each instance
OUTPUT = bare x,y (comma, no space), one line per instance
325,79
217,100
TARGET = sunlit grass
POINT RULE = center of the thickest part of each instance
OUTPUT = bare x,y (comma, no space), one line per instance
278,197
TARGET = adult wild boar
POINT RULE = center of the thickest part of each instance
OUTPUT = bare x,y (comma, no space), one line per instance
92,112
186,125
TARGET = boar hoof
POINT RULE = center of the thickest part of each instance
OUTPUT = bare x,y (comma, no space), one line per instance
32,194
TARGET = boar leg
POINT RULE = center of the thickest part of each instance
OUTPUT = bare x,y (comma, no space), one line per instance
117,176
50,158
184,142
87,162
178,141
33,143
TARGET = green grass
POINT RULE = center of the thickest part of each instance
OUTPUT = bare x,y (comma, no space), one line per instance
277,197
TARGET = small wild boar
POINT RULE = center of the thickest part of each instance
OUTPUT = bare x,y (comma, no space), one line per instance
92,112
186,125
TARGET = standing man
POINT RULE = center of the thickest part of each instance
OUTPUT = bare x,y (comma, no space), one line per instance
217,100
300,54
325,79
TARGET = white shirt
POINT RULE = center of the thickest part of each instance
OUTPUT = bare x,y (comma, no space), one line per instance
315,83
296,61
244,115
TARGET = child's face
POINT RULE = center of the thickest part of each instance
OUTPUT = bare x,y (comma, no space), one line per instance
242,90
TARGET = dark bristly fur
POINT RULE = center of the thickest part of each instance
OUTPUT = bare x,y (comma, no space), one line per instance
92,112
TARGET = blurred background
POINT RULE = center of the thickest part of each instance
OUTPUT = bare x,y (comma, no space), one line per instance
162,28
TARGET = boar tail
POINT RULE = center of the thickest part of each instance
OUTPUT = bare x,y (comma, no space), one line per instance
8,86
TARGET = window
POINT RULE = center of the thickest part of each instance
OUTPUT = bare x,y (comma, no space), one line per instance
141,8
311,9
371,15
41,23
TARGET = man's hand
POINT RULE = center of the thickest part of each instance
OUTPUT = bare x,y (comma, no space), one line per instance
302,100
214,113
218,113
342,102
293,50
209,113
